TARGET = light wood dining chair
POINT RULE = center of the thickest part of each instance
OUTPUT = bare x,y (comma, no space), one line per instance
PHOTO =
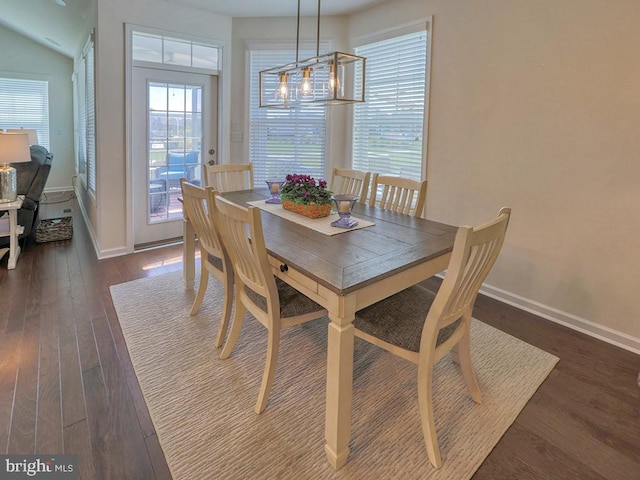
229,177
423,327
197,203
401,195
271,301
351,182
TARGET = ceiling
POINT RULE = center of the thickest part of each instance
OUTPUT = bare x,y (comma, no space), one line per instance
60,27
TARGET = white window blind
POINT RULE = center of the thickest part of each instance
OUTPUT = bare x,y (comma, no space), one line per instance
91,116
84,91
25,104
283,141
388,129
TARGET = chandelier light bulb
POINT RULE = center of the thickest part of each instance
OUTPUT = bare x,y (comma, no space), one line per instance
334,82
283,88
306,81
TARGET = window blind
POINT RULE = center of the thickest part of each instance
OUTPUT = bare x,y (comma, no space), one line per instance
84,91
388,129
25,104
283,141
91,116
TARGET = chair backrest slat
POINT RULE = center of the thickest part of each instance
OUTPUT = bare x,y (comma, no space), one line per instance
400,195
351,182
230,177
197,208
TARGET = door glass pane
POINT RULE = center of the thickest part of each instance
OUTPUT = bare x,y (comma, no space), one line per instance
174,146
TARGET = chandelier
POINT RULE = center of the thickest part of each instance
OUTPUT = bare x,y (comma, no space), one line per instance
328,79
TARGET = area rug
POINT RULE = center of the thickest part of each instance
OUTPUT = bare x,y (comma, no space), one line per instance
202,407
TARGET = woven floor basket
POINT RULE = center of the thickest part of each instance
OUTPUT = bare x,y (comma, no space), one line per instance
54,229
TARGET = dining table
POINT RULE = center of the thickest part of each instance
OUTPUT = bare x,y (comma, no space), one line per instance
344,273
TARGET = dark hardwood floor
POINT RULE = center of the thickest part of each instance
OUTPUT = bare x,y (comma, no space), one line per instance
67,384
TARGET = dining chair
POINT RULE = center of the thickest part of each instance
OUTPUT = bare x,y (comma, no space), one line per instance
275,304
351,182
401,195
198,202
229,177
423,327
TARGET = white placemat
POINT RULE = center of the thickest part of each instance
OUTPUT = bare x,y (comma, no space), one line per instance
322,225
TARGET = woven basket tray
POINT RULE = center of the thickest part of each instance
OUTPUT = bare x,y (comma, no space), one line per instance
54,229
311,211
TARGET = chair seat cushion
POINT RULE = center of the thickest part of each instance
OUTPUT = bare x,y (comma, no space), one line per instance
292,302
215,261
399,319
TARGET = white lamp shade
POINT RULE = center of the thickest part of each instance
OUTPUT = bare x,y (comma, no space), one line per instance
31,132
14,148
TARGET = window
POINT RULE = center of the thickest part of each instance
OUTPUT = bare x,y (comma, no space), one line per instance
25,104
155,48
283,141
85,124
388,130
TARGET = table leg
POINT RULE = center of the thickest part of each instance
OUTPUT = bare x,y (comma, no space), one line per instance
188,253
14,245
339,389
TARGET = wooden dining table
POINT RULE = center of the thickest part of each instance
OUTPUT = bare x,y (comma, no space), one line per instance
345,273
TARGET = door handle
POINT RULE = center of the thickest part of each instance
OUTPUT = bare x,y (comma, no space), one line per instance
212,161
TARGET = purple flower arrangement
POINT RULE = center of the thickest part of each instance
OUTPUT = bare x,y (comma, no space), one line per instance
306,190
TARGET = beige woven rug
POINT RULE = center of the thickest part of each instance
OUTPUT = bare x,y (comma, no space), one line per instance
202,407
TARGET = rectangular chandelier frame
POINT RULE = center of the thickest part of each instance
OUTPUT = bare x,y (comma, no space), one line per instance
328,79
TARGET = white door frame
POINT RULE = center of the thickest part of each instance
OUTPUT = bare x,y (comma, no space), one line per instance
223,113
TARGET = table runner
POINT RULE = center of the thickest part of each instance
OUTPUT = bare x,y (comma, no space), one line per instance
322,225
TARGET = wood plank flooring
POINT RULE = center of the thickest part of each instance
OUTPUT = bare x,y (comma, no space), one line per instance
67,384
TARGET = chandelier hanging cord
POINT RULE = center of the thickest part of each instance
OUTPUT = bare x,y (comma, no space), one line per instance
298,34
318,32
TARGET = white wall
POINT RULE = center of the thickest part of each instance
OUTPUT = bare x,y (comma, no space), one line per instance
535,105
113,200
21,55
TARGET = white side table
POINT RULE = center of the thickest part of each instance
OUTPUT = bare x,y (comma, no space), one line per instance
13,231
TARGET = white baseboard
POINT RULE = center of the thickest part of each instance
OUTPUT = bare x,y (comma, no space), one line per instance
574,322
58,189
114,252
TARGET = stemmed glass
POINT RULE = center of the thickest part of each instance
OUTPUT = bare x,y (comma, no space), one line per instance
344,205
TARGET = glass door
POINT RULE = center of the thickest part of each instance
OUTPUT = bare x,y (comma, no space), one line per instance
174,131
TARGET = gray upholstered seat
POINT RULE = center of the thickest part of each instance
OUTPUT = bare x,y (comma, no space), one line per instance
399,319
292,302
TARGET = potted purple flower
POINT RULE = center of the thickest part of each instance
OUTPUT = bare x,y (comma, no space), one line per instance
305,195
